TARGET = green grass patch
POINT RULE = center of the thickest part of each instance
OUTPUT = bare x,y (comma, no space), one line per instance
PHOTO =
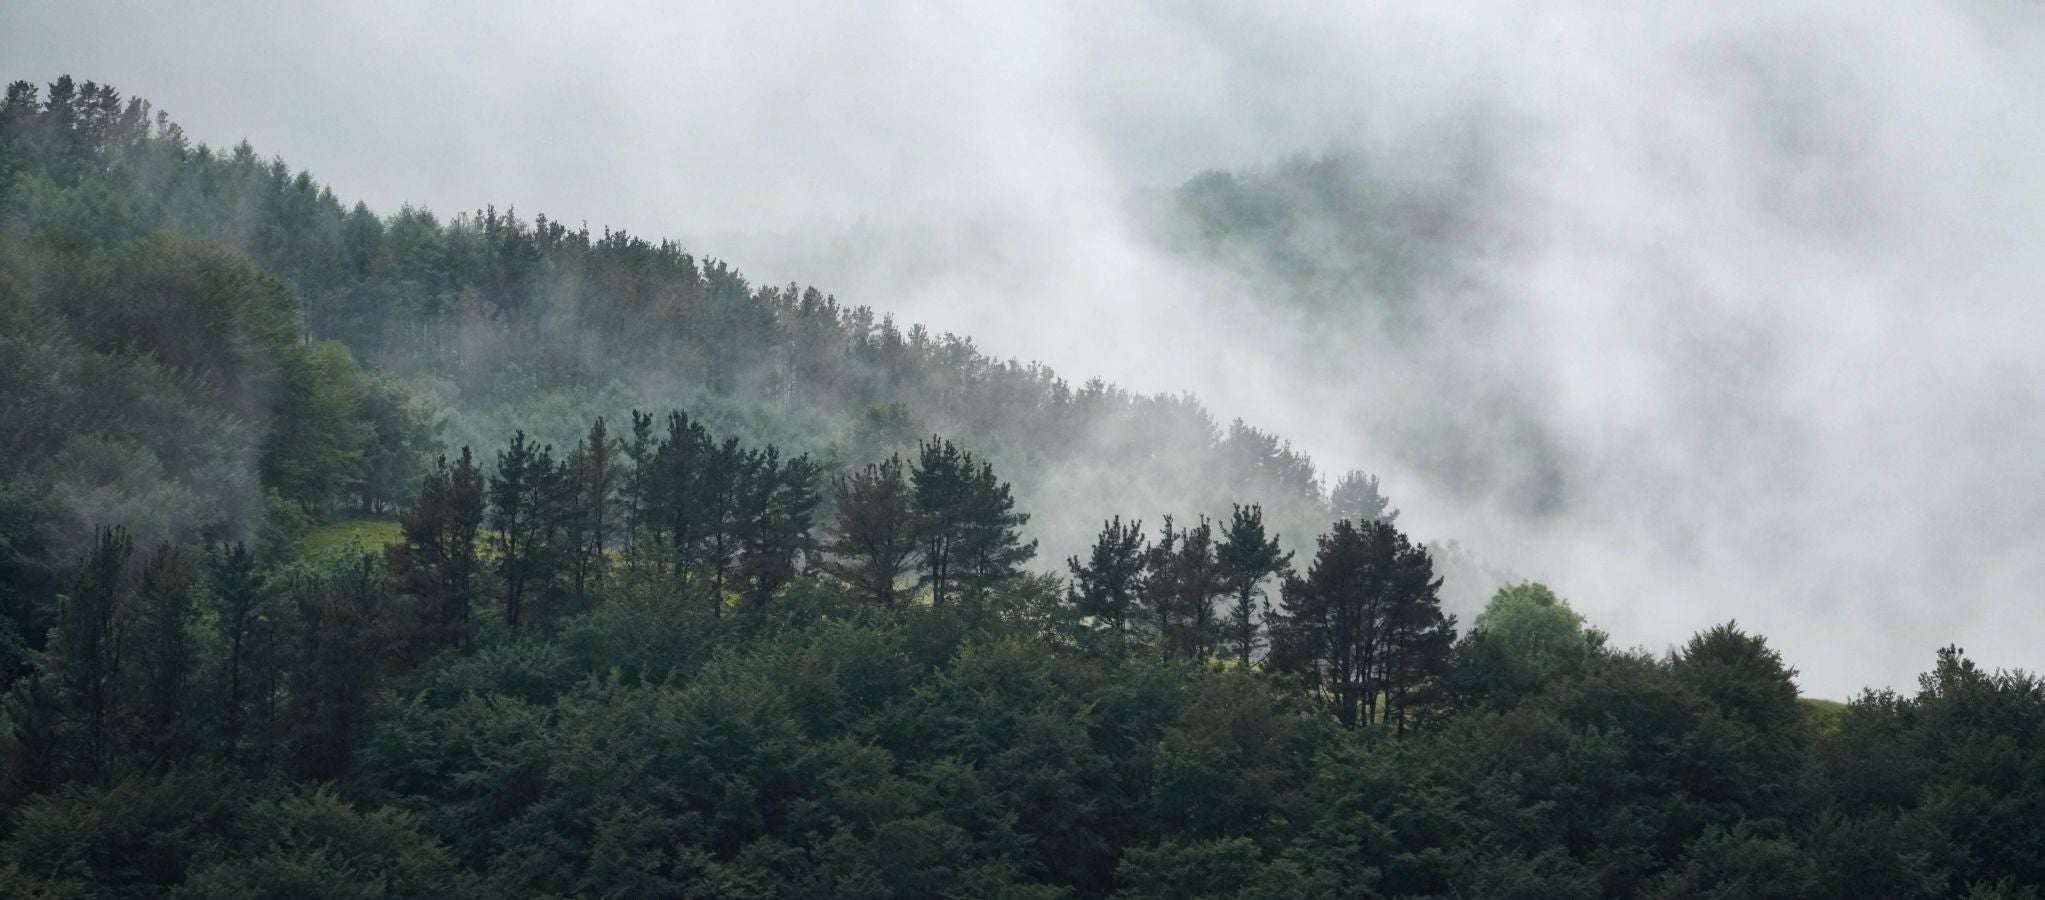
344,541
1822,713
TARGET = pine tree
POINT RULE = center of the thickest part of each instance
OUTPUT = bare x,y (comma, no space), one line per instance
338,631
968,528
1356,497
1198,578
592,471
728,474
437,562
637,495
165,609
1418,637
1181,582
525,504
1247,558
779,512
237,592
86,653
680,500
873,542
942,481
1160,586
993,550
1364,628
1109,585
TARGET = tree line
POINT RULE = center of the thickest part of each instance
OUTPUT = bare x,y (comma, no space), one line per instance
663,663
177,654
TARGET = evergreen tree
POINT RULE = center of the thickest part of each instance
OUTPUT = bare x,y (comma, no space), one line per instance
779,511
728,474
968,529
1182,581
340,623
165,608
874,540
1161,591
592,471
1109,585
992,550
1419,639
681,504
437,562
1364,628
236,588
86,653
1247,559
637,494
943,483
525,509
1200,581
1356,497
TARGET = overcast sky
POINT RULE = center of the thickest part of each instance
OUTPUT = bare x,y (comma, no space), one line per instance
1775,275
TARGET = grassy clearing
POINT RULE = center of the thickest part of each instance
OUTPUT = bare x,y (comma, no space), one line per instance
338,542
1822,713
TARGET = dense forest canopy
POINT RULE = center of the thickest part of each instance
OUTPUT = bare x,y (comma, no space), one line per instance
354,554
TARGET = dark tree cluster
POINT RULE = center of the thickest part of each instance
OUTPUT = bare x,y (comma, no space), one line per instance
948,521
201,724
1194,593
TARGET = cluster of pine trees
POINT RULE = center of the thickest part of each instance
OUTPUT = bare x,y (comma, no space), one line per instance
555,683
1362,629
180,655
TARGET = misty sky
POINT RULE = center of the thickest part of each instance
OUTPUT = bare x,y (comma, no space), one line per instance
1770,270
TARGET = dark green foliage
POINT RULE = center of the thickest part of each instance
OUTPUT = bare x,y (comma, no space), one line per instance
1247,557
1364,629
526,514
1109,584
593,475
438,564
197,836
1182,582
873,541
776,510
239,608
824,746
167,606
966,524
337,636
85,653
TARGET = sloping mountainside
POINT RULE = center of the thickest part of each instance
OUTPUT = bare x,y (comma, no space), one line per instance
497,322
360,555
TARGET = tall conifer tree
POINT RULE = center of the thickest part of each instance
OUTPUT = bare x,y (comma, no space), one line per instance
1108,585
874,541
1247,559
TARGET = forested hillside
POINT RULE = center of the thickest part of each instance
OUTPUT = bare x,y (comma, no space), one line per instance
361,555
499,322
